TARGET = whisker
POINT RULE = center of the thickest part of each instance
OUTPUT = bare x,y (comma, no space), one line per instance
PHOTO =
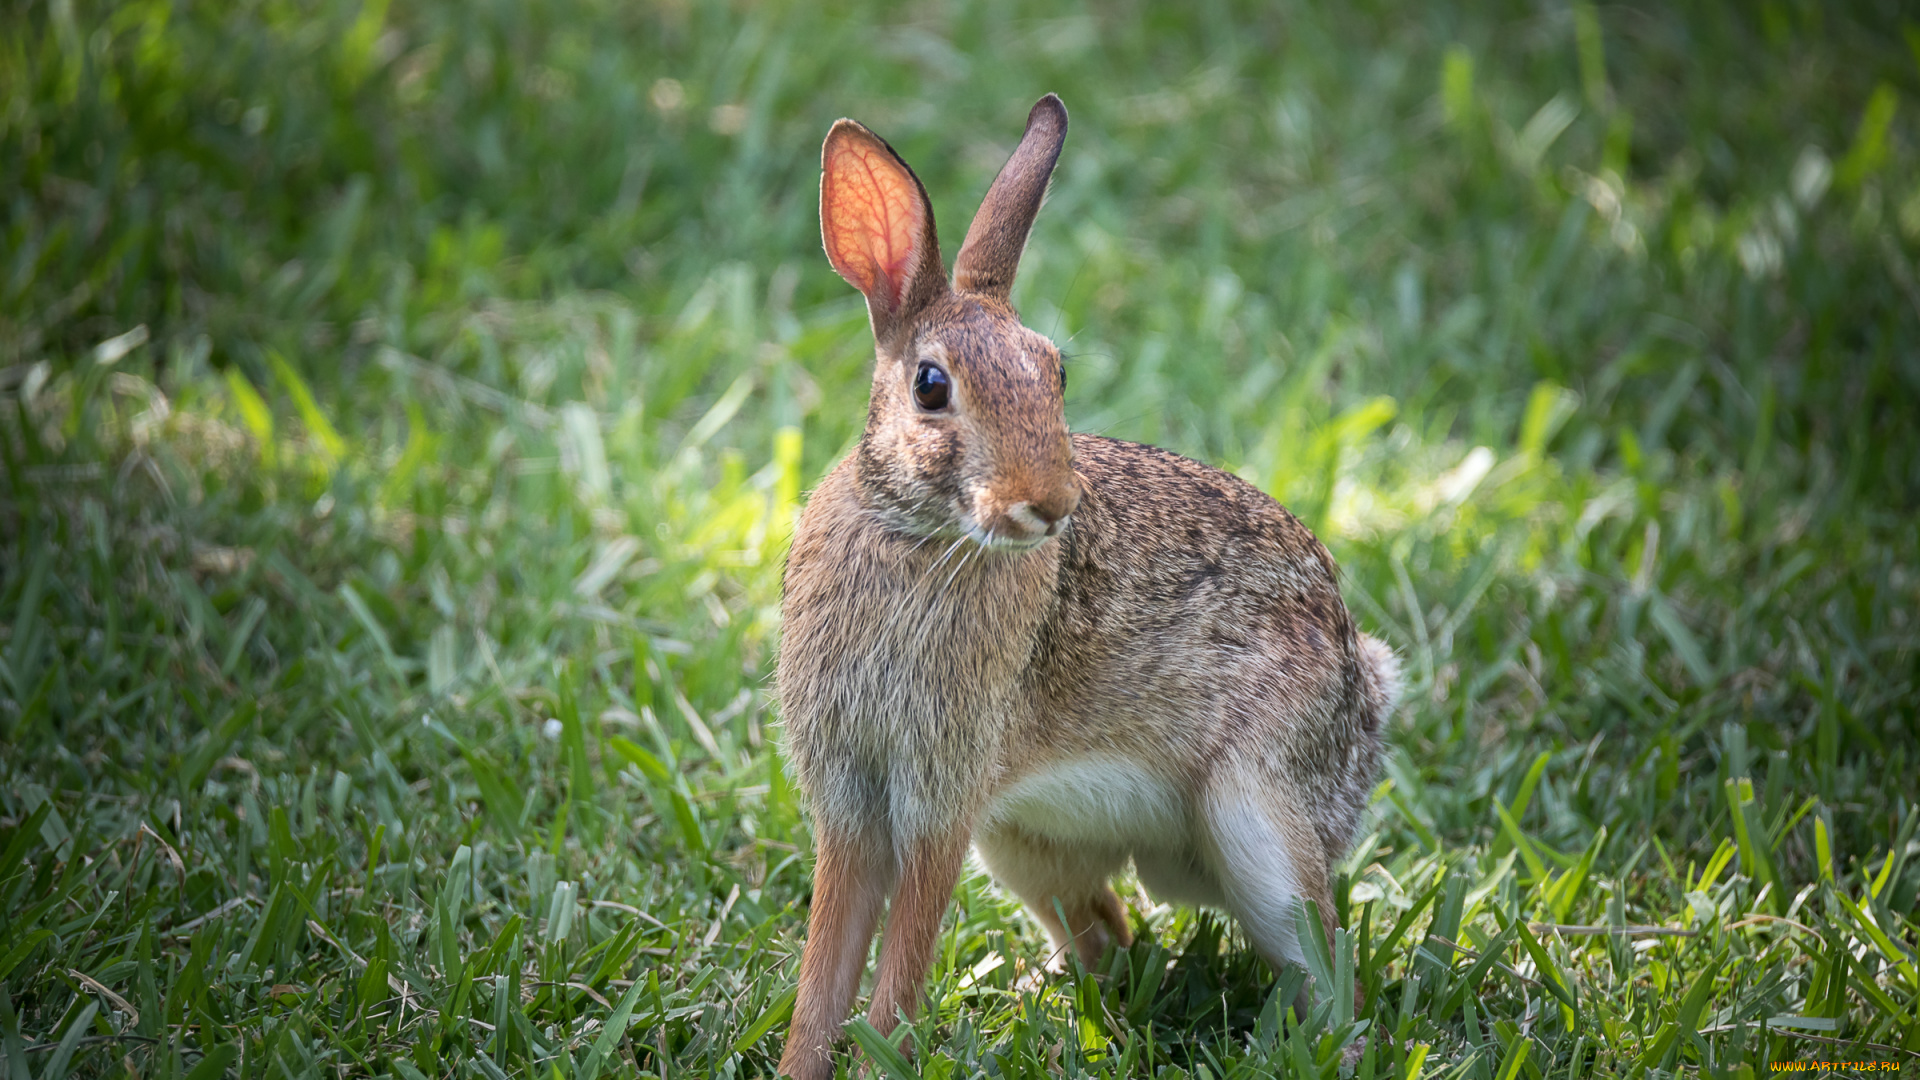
922,542
1060,312
880,641
946,587
943,596
933,568
977,546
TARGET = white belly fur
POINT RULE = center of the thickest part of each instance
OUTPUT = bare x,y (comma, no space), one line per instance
1110,802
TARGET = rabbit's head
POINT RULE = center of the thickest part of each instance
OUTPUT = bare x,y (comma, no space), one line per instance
966,432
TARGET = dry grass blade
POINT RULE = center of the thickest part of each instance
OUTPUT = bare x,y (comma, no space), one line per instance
119,1003
1566,930
1472,955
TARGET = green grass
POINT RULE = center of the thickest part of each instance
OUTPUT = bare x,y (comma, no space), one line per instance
402,412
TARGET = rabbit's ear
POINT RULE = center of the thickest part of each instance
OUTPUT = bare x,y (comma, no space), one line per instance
991,254
877,227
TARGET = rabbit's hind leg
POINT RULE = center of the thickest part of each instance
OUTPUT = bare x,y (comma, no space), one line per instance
1268,859
1178,875
1055,878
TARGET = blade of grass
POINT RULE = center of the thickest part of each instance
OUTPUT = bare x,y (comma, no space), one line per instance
610,1036
1686,1019
880,1051
56,1066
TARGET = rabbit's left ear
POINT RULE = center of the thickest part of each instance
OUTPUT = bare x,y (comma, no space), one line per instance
991,254
877,227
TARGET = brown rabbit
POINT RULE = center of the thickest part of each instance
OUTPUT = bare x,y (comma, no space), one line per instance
1063,649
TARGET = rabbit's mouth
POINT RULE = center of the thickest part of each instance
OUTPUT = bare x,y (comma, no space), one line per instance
1001,542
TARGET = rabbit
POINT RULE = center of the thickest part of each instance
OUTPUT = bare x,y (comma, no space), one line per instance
1063,650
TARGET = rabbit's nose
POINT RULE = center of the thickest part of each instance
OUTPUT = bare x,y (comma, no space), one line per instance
1044,517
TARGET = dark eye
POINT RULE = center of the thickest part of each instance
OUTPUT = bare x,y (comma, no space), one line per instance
932,388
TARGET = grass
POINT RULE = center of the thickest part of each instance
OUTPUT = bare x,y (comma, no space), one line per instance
403,411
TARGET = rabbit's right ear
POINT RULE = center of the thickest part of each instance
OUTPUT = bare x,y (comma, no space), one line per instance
877,227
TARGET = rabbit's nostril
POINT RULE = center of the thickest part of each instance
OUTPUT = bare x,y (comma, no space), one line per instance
1038,519
1030,517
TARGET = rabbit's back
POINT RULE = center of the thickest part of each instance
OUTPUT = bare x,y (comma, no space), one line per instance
1185,618
1196,620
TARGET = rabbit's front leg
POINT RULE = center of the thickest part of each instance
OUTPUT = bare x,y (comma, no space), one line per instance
851,878
929,869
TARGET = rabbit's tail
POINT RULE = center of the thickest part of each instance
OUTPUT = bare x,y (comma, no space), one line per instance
1382,681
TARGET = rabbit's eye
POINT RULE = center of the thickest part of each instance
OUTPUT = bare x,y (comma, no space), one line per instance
932,388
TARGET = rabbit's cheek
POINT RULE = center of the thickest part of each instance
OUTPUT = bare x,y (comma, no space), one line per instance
910,472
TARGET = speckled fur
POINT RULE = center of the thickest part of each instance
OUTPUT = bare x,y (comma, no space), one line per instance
1178,630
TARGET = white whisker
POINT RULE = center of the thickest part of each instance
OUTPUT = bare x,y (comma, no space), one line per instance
940,601
882,641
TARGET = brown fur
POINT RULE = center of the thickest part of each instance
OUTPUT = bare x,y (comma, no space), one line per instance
1070,650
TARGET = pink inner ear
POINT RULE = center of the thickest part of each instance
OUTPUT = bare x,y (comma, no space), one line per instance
870,218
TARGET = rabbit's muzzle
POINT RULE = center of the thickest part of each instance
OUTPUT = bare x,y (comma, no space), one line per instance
1026,520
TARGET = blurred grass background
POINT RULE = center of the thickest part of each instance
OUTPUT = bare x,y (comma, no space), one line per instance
403,410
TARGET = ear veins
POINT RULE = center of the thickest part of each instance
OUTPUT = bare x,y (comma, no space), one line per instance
871,217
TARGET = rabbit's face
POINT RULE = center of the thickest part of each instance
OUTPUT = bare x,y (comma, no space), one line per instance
967,434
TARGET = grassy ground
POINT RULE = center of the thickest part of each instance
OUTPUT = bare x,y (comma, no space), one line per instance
403,411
